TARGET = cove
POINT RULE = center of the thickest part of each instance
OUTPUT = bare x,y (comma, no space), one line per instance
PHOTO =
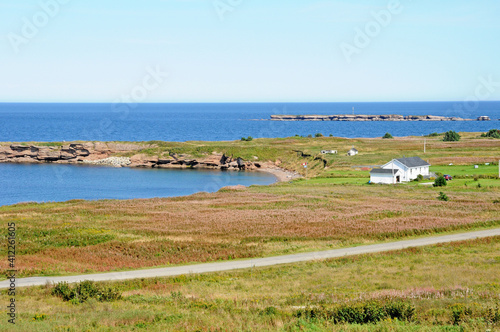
56,182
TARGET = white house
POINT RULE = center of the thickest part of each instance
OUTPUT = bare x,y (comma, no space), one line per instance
352,152
400,170
328,151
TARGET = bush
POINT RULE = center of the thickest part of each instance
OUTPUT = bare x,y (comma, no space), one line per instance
492,133
440,182
459,312
248,139
400,310
387,135
420,177
451,136
442,197
318,135
85,291
361,313
433,135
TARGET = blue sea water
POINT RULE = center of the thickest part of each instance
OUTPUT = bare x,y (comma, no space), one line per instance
56,182
217,122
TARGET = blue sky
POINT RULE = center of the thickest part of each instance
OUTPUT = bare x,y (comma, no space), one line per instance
249,50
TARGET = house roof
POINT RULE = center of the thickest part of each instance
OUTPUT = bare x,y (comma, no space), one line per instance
383,171
413,162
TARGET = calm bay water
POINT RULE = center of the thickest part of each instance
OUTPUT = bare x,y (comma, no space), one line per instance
187,122
56,182
217,122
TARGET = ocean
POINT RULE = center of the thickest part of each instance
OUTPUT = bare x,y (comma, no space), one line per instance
219,122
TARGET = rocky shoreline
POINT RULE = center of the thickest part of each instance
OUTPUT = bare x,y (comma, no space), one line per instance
361,117
104,154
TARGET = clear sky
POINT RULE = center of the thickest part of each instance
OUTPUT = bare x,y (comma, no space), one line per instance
248,50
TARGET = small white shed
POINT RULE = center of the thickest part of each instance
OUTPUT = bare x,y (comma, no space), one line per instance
385,176
352,152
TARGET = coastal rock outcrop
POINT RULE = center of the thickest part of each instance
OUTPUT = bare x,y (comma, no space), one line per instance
369,117
214,161
99,153
57,153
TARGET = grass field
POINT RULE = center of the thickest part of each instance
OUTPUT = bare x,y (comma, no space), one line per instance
82,237
446,284
334,208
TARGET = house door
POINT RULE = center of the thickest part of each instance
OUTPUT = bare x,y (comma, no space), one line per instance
398,179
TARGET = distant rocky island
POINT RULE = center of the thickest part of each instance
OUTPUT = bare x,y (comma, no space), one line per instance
370,117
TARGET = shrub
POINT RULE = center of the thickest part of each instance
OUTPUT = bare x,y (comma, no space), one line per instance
433,135
440,182
331,135
459,312
63,290
248,139
361,313
318,135
387,135
309,136
451,136
270,311
400,310
442,197
420,177
85,291
39,317
493,133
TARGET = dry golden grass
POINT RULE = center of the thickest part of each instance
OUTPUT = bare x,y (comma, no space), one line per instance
79,236
432,279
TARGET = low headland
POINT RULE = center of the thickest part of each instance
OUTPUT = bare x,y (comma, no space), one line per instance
131,155
372,117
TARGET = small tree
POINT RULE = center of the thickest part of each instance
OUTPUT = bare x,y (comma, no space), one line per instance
451,136
318,135
493,133
440,182
443,197
387,135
